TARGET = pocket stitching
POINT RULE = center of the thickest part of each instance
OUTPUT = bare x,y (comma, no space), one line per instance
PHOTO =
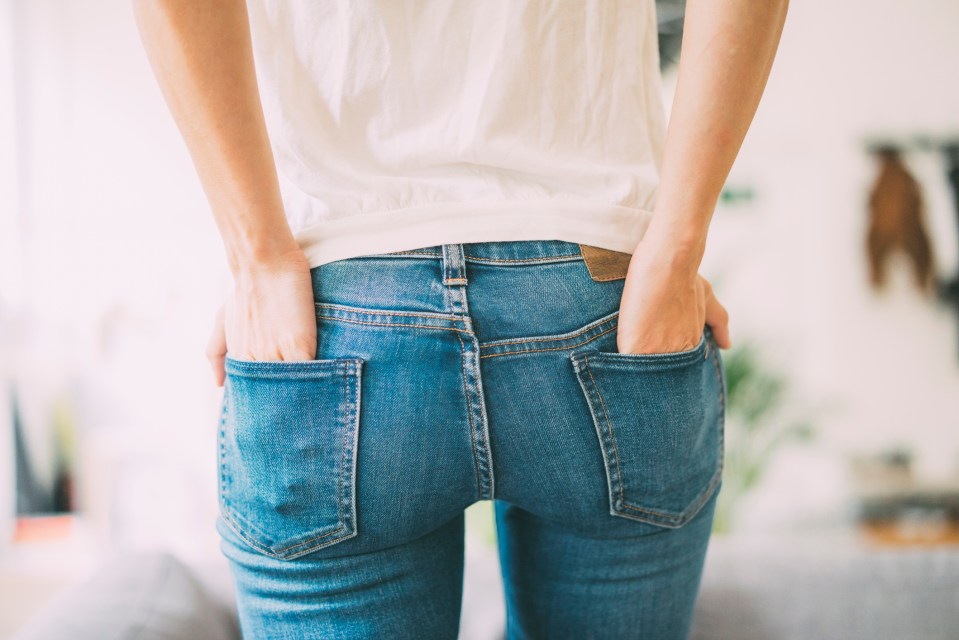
285,369
240,525
238,529
619,473
674,358
661,518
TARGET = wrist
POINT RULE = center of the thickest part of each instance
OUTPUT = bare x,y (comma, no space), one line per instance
675,252
247,259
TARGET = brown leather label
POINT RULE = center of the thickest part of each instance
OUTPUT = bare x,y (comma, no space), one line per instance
605,264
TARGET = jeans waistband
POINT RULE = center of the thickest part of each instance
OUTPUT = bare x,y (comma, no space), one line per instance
507,251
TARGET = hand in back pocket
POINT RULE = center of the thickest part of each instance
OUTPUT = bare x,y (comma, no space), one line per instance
659,421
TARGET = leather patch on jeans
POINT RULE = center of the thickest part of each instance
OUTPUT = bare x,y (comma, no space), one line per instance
605,264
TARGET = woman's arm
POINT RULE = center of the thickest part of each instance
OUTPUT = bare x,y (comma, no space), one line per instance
727,52
202,56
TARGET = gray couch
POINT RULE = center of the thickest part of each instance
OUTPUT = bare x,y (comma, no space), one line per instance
773,588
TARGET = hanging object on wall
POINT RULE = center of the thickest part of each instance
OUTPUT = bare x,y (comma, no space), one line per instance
896,222
949,288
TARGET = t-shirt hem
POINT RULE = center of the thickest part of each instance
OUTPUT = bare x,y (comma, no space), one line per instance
608,226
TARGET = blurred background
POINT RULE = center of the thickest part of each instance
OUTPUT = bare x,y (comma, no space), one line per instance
835,246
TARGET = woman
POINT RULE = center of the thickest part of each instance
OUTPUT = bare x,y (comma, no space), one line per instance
465,252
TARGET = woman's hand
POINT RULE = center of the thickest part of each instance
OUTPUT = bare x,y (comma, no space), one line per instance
665,305
269,315
727,54
202,57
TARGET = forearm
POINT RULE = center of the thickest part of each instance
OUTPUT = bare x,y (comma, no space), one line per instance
201,54
727,52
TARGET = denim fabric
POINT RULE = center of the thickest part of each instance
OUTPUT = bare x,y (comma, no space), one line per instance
451,374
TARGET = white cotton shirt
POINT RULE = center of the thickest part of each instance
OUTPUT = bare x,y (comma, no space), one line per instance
399,124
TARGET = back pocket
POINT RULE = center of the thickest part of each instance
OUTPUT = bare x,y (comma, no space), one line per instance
659,419
288,446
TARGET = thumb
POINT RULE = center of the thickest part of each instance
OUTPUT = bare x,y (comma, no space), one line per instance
216,348
718,319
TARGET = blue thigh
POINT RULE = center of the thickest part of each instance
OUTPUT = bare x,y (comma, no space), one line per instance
563,584
411,590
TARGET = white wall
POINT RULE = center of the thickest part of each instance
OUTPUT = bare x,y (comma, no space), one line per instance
122,268
792,263
122,271
9,276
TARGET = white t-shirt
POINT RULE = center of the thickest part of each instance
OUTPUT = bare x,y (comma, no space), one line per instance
399,124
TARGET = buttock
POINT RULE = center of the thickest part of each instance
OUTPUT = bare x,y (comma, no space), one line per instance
460,376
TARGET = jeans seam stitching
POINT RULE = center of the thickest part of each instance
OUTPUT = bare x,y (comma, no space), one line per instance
574,346
691,510
562,336
609,429
562,257
278,552
412,251
346,429
387,312
469,413
395,324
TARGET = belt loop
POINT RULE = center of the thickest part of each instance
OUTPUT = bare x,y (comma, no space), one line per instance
454,264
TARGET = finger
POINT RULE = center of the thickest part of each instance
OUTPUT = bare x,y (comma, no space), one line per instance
216,348
718,320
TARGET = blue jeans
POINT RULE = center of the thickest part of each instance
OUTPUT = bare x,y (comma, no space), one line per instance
451,374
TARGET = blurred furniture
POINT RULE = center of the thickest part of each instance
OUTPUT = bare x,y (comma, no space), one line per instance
43,556
775,587
895,507
798,587
144,595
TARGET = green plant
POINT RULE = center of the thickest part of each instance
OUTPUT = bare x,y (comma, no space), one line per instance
481,521
760,420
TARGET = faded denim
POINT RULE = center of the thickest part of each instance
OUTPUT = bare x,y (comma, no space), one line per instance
451,374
